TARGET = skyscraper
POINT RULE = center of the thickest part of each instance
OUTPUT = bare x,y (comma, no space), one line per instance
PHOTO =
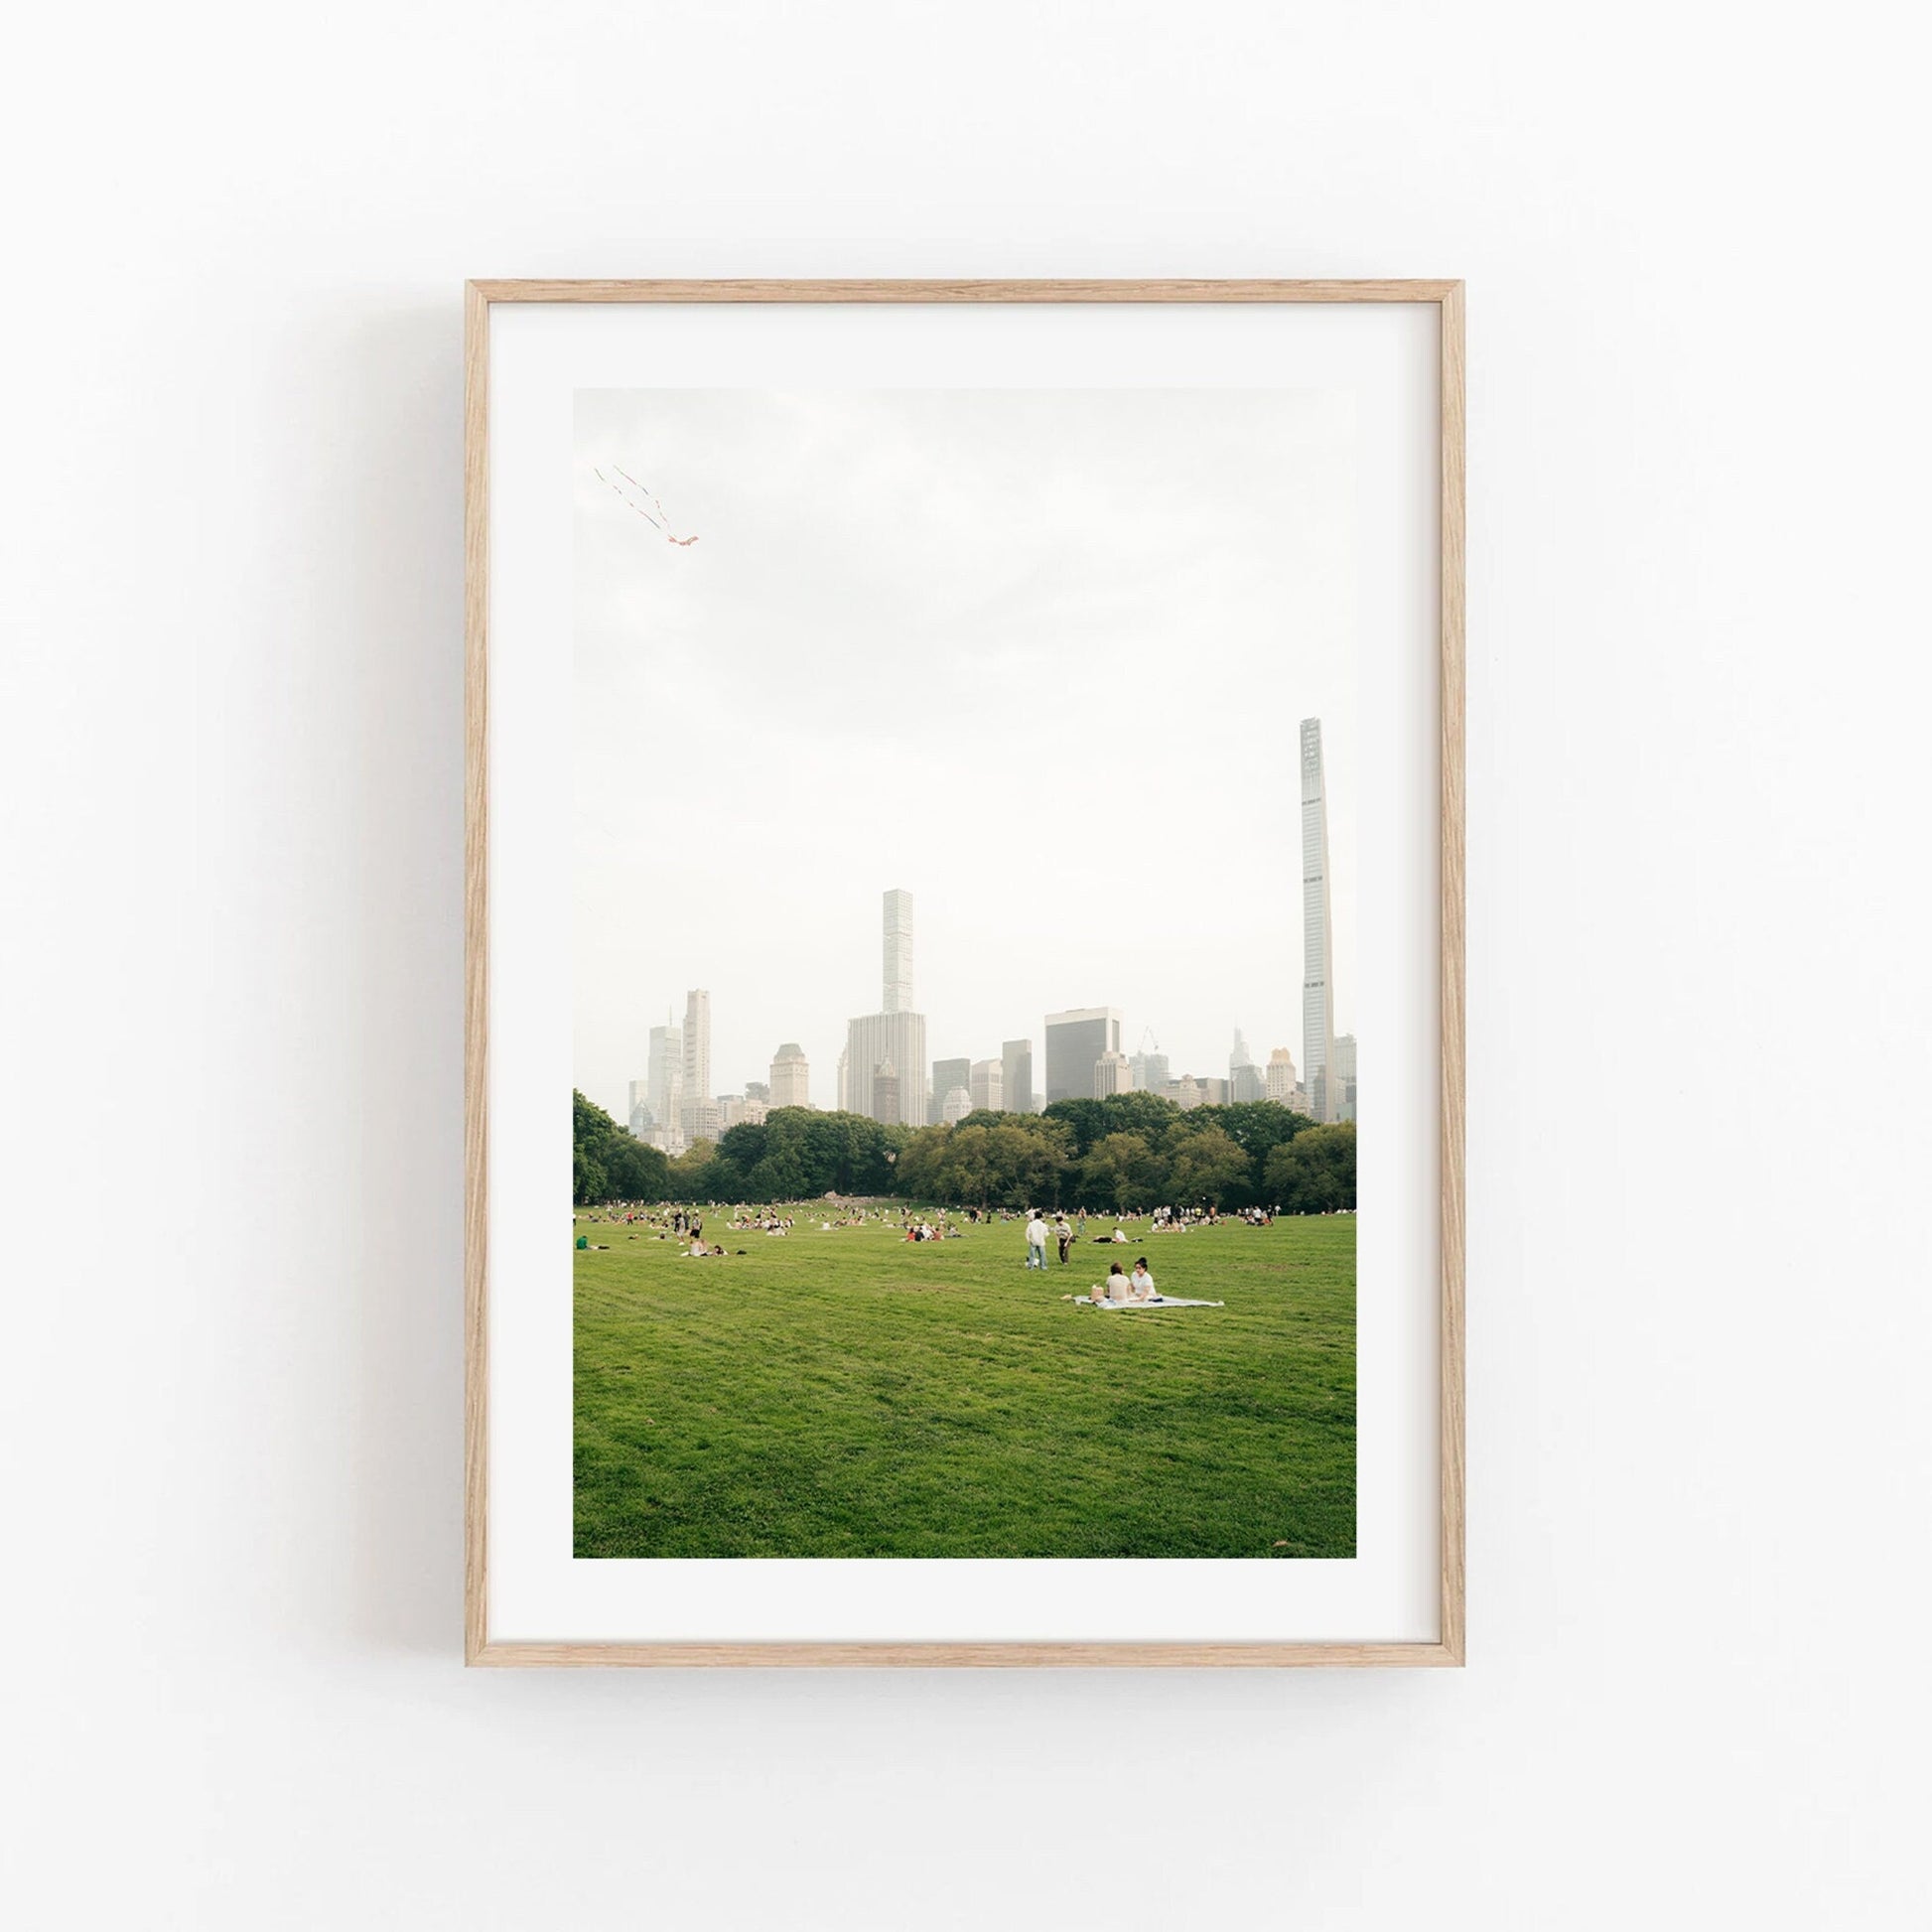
899,952
987,1086
894,1034
1147,1073
697,1044
1245,1078
791,1081
1075,1039
875,1037
641,1114
1017,1076
666,1078
1111,1075
1318,948
1344,1076
884,1094
1279,1077
946,1074
956,1105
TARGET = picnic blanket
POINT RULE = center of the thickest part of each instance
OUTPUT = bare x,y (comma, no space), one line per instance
1157,1301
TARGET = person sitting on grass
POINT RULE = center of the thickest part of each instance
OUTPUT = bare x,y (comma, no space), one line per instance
1114,1288
1141,1283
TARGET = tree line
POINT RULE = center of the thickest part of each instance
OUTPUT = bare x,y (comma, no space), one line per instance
1130,1150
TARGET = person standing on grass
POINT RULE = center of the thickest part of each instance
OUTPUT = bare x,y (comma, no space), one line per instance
1063,1234
1036,1242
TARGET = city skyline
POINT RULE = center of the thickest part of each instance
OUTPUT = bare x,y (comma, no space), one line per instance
1043,575
882,1072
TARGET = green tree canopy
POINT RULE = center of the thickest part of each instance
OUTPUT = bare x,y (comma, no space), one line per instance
1209,1165
608,1162
1121,1171
1314,1172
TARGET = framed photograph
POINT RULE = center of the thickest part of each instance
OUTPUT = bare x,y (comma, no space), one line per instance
964,993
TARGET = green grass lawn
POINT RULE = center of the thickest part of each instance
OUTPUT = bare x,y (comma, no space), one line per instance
848,1394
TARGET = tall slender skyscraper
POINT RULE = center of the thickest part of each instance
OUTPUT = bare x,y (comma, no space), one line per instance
899,952
697,1044
1318,947
891,1041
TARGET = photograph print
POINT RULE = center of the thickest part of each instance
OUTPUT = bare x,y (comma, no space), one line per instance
964,926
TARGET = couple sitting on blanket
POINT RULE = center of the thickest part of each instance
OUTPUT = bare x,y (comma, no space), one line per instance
1121,1287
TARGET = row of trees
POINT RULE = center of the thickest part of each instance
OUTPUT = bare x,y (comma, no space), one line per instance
1131,1149
609,1162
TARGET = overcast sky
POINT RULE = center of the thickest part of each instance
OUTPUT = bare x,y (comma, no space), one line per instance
1038,656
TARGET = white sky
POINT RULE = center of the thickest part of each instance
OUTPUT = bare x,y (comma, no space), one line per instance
1039,656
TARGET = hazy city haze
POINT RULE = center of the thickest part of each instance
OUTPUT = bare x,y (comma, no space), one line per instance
1037,657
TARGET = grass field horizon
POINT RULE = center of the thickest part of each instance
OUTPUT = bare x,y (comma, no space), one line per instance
851,1394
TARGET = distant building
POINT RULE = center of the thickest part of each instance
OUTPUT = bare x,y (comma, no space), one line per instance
738,1110
899,952
884,1094
792,1077
870,1042
986,1083
1317,941
892,1039
1197,1090
845,1079
666,1083
1147,1073
1075,1039
946,1074
1111,1075
1245,1079
958,1104
700,1120
758,1090
1345,1074
1017,1076
640,1115
1281,1085
697,1043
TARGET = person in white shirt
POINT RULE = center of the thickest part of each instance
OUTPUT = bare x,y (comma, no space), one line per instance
1141,1283
1115,1288
1036,1243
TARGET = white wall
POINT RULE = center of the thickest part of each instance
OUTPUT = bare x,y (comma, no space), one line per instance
229,740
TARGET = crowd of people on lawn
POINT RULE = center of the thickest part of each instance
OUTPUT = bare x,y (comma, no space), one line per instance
684,1228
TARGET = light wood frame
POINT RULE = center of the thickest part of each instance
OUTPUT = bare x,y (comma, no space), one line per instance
479,298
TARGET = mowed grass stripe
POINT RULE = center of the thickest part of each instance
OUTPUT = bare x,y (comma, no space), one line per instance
851,1394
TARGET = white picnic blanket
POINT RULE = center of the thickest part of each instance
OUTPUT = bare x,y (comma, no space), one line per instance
1155,1301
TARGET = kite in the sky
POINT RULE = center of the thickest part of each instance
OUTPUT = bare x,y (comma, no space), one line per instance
636,497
